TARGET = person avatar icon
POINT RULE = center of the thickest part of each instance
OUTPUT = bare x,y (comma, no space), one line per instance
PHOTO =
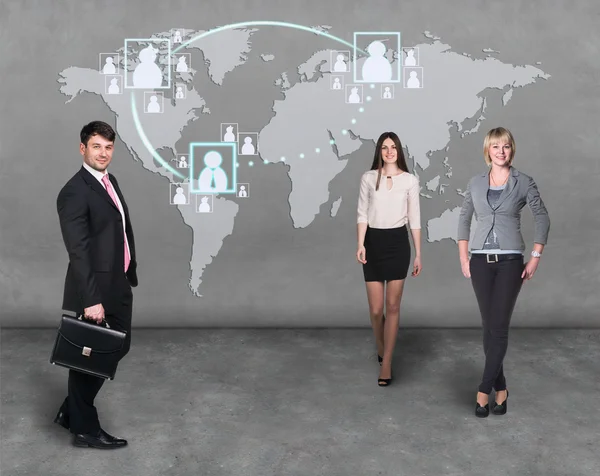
177,37
179,93
147,74
410,58
182,66
376,67
182,162
242,192
337,84
340,65
212,178
179,198
229,135
109,66
387,93
114,86
354,96
204,206
248,147
413,81
153,105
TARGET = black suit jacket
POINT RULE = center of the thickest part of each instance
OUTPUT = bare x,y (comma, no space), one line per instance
92,229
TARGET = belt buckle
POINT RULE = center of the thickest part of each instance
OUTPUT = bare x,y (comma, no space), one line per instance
487,257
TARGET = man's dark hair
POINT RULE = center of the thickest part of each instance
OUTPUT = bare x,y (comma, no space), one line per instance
96,128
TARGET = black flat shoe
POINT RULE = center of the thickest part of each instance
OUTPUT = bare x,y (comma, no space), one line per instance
482,412
500,408
62,419
100,440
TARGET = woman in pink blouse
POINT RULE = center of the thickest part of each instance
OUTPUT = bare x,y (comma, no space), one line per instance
387,202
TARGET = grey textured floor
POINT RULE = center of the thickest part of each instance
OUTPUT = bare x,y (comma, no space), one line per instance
306,402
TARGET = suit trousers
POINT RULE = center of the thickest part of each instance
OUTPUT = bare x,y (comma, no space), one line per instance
83,388
497,286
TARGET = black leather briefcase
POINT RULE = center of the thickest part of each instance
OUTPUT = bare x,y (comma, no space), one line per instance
87,347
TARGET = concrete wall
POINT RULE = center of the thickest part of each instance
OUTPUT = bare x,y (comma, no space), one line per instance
269,272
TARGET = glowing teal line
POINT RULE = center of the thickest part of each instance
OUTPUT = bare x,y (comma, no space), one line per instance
295,26
146,142
231,26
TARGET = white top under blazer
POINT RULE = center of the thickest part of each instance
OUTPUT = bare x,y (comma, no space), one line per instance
391,208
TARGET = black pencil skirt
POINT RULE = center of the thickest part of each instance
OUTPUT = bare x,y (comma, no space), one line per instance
387,254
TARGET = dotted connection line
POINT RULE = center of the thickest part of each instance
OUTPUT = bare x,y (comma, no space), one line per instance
331,141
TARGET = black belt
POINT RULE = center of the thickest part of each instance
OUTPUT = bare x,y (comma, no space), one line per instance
495,258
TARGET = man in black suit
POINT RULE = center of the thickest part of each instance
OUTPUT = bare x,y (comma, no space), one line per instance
95,225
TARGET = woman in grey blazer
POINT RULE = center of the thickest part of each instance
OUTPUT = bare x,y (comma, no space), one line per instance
496,267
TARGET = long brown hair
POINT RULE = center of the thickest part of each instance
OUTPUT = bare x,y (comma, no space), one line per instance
378,158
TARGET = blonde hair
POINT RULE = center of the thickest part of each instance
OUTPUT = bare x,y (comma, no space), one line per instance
494,136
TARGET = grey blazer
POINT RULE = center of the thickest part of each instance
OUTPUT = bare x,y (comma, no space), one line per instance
506,215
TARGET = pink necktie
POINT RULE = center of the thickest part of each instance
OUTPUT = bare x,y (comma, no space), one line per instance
111,192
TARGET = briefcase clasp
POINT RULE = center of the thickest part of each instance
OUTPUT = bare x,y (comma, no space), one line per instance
87,351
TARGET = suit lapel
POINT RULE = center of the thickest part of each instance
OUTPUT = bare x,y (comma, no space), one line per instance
97,186
510,186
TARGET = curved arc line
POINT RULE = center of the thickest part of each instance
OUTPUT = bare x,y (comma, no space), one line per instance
231,26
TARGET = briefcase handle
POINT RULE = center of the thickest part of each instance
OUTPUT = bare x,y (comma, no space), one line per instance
80,318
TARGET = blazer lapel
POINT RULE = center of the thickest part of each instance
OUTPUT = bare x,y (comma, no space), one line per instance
482,188
510,186
97,186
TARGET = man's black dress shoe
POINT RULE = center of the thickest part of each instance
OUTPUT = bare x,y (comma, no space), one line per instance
101,440
62,419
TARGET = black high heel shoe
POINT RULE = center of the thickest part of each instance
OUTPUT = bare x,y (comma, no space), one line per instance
379,357
385,382
500,408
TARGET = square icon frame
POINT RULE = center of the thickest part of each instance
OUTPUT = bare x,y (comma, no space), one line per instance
332,61
422,80
217,145
247,185
237,129
108,77
362,93
187,194
331,81
240,145
406,48
178,157
184,88
173,30
189,63
393,90
210,199
398,61
117,63
168,65
154,93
